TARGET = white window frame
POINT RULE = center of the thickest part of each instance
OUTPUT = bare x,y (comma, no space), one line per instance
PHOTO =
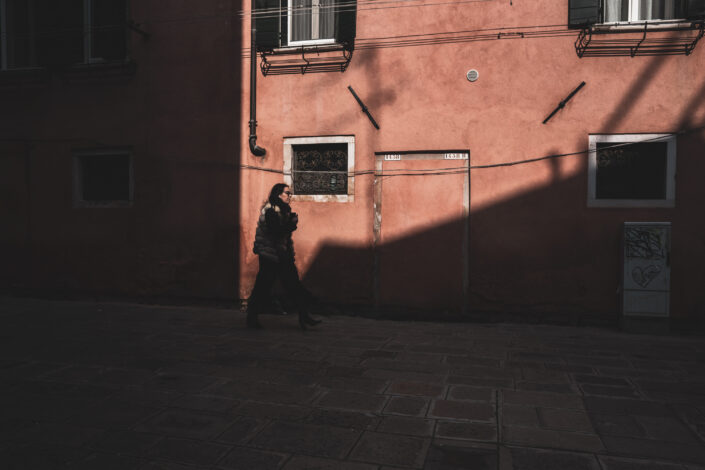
315,9
634,13
78,201
288,153
668,201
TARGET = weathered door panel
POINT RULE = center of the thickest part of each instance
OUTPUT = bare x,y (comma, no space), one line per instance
422,243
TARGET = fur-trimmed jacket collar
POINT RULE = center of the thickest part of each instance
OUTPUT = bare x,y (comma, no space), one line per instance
274,227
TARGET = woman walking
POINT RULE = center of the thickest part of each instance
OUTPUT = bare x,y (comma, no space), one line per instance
275,249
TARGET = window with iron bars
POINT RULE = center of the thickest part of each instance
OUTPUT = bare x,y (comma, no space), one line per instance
320,168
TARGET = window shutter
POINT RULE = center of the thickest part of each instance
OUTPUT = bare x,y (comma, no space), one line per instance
59,32
266,19
345,23
583,12
695,9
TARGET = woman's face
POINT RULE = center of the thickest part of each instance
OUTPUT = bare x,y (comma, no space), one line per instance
286,195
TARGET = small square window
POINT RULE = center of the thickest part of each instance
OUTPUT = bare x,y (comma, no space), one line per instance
103,178
632,170
320,168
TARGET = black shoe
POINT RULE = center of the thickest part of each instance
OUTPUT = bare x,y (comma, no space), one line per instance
305,319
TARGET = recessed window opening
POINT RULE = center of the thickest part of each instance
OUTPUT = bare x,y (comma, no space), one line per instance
320,169
103,178
16,34
636,170
311,22
80,31
104,30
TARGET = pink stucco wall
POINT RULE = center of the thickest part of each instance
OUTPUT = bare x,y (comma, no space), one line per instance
534,245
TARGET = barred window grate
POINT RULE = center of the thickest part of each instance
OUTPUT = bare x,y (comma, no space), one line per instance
320,169
634,171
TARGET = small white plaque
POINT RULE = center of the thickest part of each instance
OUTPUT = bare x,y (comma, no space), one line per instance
392,157
455,156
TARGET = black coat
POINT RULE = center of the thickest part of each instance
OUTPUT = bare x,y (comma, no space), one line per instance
274,228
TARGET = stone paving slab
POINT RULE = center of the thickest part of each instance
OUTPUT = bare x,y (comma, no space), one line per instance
310,439
124,386
388,449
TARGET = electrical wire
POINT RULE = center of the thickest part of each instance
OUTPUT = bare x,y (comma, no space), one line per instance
452,37
352,6
465,169
344,6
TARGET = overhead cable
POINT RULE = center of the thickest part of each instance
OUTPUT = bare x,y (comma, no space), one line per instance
463,169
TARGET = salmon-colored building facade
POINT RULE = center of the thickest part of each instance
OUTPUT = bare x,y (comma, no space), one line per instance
449,205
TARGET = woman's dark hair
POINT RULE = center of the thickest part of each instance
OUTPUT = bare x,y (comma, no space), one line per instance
276,191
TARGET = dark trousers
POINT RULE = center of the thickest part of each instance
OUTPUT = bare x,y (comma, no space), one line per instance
269,271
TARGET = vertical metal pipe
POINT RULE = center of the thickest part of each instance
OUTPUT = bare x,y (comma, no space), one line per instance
254,148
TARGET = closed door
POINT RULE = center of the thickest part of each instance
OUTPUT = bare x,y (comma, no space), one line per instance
422,230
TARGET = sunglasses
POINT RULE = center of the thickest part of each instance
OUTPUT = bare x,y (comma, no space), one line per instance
288,193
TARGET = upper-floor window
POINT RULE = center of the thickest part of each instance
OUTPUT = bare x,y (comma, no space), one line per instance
621,11
16,38
583,13
66,32
311,22
282,23
81,31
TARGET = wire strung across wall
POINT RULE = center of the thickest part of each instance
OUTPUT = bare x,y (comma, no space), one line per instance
350,5
456,37
464,169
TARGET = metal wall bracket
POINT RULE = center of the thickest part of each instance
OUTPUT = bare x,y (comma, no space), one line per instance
653,39
136,28
306,59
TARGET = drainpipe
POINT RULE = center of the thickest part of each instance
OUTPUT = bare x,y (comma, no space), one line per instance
254,148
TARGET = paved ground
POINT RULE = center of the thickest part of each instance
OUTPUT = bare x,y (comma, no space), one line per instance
112,386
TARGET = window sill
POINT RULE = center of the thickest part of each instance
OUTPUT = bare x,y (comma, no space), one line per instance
103,205
637,26
296,49
312,42
632,203
323,197
103,71
37,77
17,79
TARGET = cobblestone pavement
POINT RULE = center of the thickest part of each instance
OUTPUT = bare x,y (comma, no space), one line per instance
110,386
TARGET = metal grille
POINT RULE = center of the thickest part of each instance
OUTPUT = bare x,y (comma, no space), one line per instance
635,171
320,169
